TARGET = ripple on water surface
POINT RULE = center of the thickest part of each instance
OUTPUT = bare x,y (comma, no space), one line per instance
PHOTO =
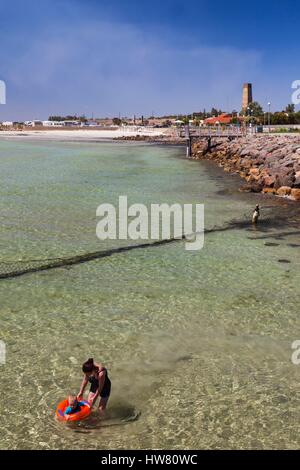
198,345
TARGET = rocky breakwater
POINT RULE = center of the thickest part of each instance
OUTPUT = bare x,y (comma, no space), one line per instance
268,163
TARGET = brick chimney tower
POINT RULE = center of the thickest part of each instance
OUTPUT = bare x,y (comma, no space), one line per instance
247,95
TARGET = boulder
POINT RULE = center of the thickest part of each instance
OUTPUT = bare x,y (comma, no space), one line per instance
295,194
284,191
246,188
269,190
283,177
256,187
297,164
269,180
254,172
246,163
288,163
297,180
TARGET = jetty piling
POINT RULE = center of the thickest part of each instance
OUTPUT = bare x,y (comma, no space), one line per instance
188,141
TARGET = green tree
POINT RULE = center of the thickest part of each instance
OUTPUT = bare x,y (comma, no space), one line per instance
185,119
56,118
290,109
117,121
254,109
297,117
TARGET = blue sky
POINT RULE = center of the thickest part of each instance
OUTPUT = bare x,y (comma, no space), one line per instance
137,57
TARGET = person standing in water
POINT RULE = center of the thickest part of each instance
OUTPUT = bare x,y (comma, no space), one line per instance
96,375
256,214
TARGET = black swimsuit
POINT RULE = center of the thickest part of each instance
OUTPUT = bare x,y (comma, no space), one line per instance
94,381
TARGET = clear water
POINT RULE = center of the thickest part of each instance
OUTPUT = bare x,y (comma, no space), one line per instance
198,344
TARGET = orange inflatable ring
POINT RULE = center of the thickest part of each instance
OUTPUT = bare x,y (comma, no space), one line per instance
84,412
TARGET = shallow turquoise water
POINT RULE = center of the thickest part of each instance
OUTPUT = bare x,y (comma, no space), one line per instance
198,344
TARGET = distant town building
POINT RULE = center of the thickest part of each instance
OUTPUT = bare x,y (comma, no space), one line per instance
33,123
71,123
53,124
247,95
223,118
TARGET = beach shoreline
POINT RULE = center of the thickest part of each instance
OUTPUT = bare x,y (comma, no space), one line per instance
86,135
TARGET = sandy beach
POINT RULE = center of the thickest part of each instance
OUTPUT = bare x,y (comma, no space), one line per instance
83,134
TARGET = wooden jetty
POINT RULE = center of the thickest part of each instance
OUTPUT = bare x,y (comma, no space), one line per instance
208,133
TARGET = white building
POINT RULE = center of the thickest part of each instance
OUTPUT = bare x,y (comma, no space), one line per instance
33,123
71,123
53,124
